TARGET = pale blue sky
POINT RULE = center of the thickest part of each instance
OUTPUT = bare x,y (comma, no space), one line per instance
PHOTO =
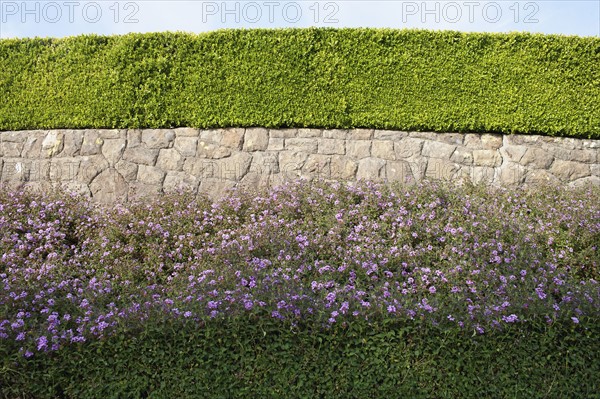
61,18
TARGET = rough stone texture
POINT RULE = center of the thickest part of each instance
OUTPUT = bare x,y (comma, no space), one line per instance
109,187
332,147
256,139
120,165
383,149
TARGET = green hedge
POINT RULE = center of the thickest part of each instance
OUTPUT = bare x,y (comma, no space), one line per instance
378,78
254,358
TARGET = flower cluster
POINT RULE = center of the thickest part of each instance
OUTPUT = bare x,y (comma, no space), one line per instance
325,253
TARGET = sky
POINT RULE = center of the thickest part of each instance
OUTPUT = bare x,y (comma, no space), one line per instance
60,18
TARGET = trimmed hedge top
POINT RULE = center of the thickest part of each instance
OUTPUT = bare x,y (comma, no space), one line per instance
329,78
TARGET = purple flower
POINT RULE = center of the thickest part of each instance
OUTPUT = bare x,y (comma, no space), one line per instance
575,320
42,343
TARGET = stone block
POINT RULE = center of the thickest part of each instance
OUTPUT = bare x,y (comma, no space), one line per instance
358,149
92,143
52,144
276,144
112,134
487,158
342,168
64,169
393,135
370,169
18,136
360,134
307,133
235,167
408,148
77,188
157,138
513,153
539,177
383,149
569,170
510,174
399,171
113,150
233,138
134,138
201,168
441,169
90,167
306,145
256,139
139,191
537,158
283,133
291,163
463,156
491,141
150,175
339,134
211,150
141,156
588,181
215,189
436,149
109,187
317,165
169,159
186,146
32,148
180,181
331,146
264,163
10,150
186,132
73,139
127,169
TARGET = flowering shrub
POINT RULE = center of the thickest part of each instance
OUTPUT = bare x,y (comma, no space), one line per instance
318,254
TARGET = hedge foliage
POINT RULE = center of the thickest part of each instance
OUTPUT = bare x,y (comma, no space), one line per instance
331,78
257,358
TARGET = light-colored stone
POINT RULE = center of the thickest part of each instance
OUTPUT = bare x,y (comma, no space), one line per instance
92,143
342,168
215,189
90,167
112,134
283,133
383,149
134,138
256,139
140,156
15,169
339,134
276,144
186,132
595,169
453,139
64,169
73,140
53,143
408,148
201,168
491,141
235,167
510,174
233,138
463,156
486,158
109,187
211,150
291,163
537,158
539,177
213,136
150,175
10,150
360,134
180,181
399,171
586,182
358,149
139,191
472,141
157,138
18,136
393,135
32,147
113,150
186,145
169,159
521,139
331,147
309,133
568,170
441,169
306,145
370,169
436,149
264,163
513,153
317,165
127,169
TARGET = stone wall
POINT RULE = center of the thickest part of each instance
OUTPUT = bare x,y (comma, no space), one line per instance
117,165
